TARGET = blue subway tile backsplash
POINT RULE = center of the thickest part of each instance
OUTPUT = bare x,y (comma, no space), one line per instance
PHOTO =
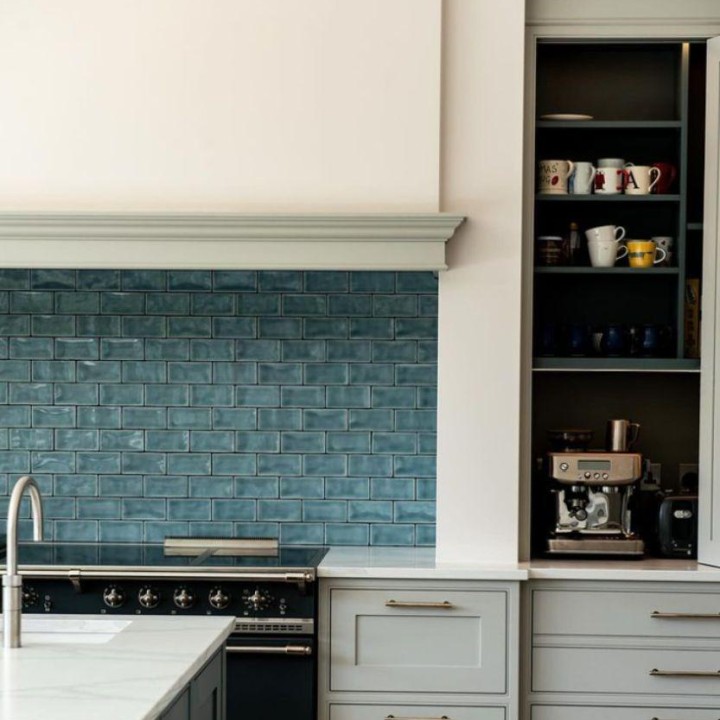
297,405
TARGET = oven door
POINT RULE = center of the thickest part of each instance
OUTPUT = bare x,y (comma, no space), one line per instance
269,677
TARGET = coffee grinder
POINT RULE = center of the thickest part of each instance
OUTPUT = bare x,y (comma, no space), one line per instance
593,493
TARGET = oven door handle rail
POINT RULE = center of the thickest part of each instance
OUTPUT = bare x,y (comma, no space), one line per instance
303,650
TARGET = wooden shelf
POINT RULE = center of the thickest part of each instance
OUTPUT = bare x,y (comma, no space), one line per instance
567,270
614,364
608,124
607,198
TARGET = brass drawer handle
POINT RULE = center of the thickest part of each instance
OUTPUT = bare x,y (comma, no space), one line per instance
686,673
268,650
398,717
684,616
444,605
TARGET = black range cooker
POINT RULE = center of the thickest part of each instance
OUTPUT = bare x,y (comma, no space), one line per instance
271,591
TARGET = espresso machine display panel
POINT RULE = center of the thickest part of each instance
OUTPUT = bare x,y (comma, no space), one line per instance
593,492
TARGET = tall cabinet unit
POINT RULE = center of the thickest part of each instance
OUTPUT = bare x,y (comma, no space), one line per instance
619,341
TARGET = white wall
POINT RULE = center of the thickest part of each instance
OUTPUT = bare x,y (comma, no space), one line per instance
480,304
220,104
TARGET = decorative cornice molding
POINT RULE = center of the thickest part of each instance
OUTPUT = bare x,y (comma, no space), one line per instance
410,241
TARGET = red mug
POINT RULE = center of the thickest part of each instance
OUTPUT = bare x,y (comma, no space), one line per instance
668,173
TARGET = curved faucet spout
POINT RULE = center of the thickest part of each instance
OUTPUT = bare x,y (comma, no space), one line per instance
12,581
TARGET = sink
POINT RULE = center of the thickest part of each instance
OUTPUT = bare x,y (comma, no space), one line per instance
70,631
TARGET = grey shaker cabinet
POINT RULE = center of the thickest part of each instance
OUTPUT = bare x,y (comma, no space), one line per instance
204,696
417,649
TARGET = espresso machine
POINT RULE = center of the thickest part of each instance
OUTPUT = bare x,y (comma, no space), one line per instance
593,498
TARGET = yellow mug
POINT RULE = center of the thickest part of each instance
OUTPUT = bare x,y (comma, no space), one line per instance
644,253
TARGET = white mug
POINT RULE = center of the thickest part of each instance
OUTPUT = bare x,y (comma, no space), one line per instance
663,241
582,179
618,163
605,253
614,233
639,179
553,176
609,180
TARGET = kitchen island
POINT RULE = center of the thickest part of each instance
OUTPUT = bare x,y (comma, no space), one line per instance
124,667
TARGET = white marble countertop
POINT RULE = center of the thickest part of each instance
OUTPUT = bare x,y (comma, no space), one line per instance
650,569
132,676
408,563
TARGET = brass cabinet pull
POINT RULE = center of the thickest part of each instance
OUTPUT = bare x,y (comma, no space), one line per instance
398,717
686,673
268,650
684,616
444,605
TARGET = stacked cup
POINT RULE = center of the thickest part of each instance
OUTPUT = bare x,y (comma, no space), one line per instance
604,245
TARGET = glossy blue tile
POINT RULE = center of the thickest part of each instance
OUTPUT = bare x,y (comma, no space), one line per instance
76,439
234,510
145,463
416,420
235,464
122,440
426,488
326,281
302,442
324,465
14,370
280,373
76,530
325,419
26,439
259,304
189,418
304,305
234,419
15,416
427,397
348,442
372,465
212,304
326,374
239,280
190,372
393,397
301,487
302,533
97,371
52,325
427,443
416,375
143,280
121,394
257,487
189,510
14,279
279,281
156,532
415,466
348,350
257,441
347,534
210,396
77,349
303,350
416,282
58,508
52,279
121,485
416,512
52,462
395,351
416,328
4,302
14,324
326,328
395,306
210,487
198,327
143,509
30,302
53,371
144,418
212,441
192,464
425,535
348,397
168,441
370,511
392,489
122,303
279,510
371,420
254,396
97,326
305,396
166,486
32,348
371,328
76,394
98,509
394,442
428,305
372,282
43,416
282,328
400,535
102,463
138,327
77,303
120,531
212,350
279,419
195,280
166,349
98,280
76,485
238,373
210,529
137,371
121,349
98,417
170,303
350,305
279,464
233,327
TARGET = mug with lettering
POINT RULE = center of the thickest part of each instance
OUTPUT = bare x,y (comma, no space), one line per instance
553,176
581,182
641,179
609,180
644,253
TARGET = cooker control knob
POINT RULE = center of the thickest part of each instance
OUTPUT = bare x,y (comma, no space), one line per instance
564,466
218,598
148,597
30,598
114,596
184,598
259,600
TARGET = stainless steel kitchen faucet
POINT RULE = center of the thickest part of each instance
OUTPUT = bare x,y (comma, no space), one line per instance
12,581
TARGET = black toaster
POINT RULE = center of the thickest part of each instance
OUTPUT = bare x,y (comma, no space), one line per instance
678,526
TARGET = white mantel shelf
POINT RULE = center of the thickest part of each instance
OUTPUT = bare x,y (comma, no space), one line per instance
413,241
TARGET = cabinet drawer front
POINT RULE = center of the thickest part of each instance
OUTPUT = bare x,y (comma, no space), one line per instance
625,671
414,712
573,712
418,641
622,614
